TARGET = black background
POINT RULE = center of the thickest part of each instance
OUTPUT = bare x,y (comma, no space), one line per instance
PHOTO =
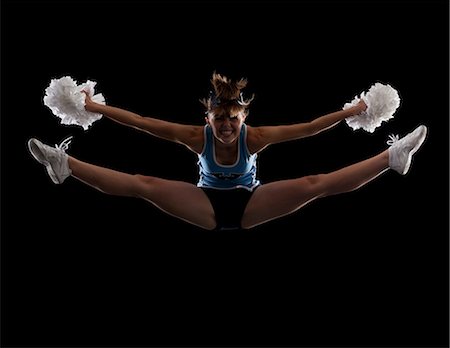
82,268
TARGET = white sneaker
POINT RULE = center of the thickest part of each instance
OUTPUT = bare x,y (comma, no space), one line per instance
54,159
402,150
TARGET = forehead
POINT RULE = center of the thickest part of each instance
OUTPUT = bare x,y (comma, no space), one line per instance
226,112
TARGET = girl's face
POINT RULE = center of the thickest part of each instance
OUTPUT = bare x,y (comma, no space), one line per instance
226,127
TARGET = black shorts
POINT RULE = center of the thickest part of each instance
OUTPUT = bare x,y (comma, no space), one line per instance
229,206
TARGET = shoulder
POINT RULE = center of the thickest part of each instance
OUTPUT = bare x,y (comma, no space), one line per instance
193,133
195,138
254,139
198,130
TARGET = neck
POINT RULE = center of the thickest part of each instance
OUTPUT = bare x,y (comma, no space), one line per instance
224,146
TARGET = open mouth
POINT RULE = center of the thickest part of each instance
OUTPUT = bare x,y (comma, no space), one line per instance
226,132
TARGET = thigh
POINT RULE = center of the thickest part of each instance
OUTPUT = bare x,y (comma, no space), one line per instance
180,199
280,198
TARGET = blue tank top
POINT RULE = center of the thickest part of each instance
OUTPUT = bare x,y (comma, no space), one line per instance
241,174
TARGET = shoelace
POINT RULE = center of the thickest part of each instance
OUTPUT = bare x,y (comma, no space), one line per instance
64,145
392,139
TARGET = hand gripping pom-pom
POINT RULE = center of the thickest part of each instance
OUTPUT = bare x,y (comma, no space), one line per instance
382,101
65,98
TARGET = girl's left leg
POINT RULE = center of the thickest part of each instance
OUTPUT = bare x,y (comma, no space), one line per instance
287,196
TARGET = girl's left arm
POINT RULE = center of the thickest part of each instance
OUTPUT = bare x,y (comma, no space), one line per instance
260,137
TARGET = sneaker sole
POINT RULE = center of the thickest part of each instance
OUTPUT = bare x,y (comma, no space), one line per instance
415,148
36,152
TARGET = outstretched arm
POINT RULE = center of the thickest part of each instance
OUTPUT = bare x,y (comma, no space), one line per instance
267,135
190,136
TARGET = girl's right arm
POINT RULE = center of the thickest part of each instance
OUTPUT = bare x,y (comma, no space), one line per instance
190,136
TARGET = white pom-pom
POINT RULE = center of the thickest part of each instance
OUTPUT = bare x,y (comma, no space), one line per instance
64,97
382,101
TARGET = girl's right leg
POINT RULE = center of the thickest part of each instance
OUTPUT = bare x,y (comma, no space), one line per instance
180,199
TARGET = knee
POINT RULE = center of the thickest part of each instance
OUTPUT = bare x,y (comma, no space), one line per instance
314,183
313,180
143,179
142,183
